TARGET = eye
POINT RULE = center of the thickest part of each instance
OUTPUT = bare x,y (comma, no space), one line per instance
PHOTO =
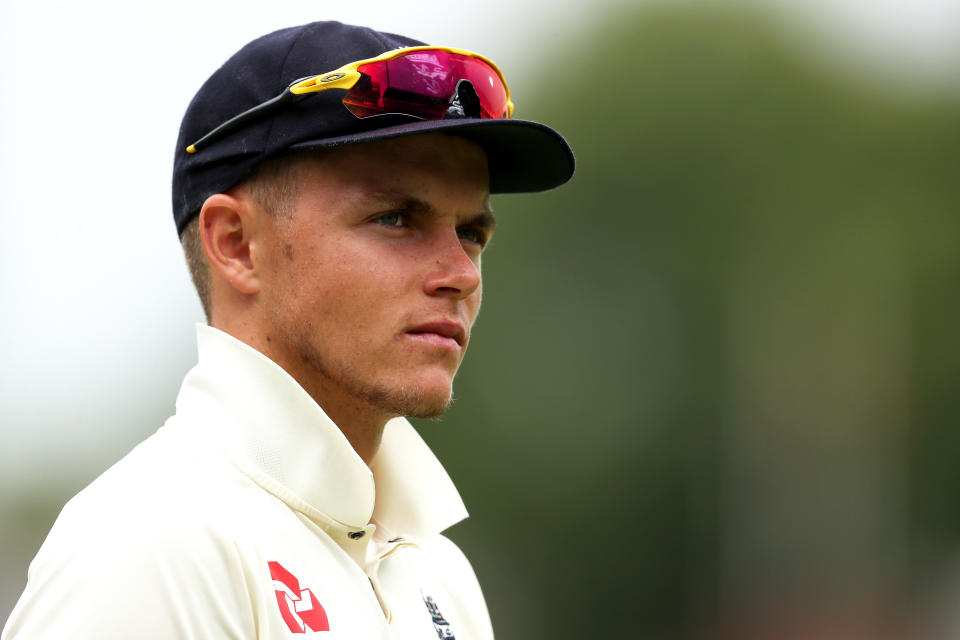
474,235
393,219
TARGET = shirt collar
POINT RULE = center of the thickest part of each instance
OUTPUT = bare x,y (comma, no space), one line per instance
261,418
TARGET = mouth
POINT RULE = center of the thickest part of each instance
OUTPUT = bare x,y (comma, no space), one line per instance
445,334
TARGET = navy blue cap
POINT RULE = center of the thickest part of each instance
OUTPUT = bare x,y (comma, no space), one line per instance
523,156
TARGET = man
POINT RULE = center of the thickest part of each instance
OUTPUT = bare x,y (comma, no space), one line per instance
334,226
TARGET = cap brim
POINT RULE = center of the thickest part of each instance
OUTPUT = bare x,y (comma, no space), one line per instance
523,156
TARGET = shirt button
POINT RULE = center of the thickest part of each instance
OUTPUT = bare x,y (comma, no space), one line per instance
356,535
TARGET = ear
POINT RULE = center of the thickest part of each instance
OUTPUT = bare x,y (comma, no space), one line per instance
225,231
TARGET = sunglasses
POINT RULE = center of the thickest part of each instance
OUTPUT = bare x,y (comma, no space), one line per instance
430,83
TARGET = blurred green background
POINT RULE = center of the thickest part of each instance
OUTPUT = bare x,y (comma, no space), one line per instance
711,393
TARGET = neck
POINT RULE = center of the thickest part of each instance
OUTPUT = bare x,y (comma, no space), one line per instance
361,423
362,428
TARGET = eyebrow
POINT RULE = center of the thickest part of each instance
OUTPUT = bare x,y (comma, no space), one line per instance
483,219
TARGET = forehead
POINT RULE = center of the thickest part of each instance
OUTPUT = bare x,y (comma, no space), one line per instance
428,162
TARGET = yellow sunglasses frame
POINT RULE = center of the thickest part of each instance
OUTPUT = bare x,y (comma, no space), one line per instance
343,78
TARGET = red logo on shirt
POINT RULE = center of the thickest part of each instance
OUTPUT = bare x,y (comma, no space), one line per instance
299,608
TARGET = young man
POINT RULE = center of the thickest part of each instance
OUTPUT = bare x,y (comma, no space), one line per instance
333,216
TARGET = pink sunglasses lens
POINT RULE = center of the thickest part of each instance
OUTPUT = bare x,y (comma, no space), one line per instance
421,84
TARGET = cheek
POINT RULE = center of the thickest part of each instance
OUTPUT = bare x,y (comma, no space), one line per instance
350,291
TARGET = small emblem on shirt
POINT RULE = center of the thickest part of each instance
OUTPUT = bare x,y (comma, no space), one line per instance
440,624
299,608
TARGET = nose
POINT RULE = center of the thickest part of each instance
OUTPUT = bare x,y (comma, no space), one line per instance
453,271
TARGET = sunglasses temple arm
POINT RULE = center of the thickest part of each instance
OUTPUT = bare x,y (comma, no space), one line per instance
241,119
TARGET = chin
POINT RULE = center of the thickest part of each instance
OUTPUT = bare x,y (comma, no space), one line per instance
426,410
431,401
418,399
415,403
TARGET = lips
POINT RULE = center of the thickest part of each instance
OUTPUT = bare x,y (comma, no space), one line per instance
442,333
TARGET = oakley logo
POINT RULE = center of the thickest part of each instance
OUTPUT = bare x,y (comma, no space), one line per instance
332,77
299,608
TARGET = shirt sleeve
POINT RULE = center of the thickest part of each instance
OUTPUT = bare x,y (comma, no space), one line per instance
105,576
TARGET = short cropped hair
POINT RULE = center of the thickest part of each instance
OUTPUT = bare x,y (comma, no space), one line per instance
274,187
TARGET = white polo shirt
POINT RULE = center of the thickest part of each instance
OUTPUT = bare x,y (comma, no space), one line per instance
249,515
